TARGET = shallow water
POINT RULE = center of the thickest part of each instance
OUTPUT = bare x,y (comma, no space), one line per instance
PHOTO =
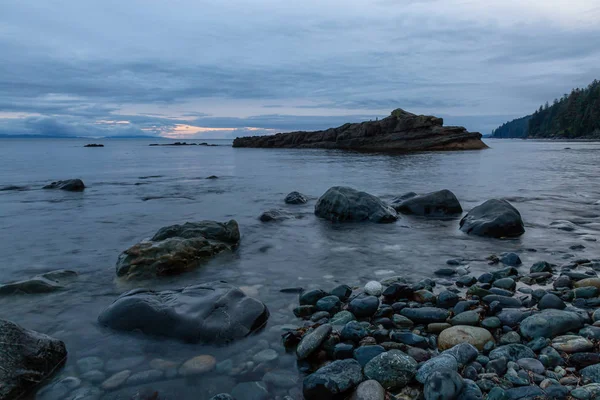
134,189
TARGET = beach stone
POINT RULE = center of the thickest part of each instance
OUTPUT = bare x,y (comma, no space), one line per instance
26,358
341,204
250,391
373,288
464,353
587,392
497,366
364,306
312,341
88,364
304,311
588,282
550,323
332,380
512,317
392,369
401,321
439,204
512,352
505,283
144,377
531,364
331,304
116,380
397,291
353,331
494,218
590,332
445,272
551,301
198,365
470,391
265,356
582,360
343,292
475,336
410,339
466,318
424,296
274,215
425,315
295,198
364,354
281,379
510,259
215,312
310,297
342,318
506,272
447,299
443,361
177,248
437,327
319,315
562,282
443,384
591,373
541,266
586,292
491,323
69,185
342,351
510,338
505,301
572,344
466,280
524,392
369,390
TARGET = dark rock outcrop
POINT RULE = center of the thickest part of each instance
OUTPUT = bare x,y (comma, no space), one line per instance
295,198
494,218
214,312
342,203
26,359
70,185
400,132
45,283
177,248
440,204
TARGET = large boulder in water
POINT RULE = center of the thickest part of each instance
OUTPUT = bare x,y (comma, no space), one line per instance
214,312
177,248
70,185
440,204
26,358
342,203
494,218
295,198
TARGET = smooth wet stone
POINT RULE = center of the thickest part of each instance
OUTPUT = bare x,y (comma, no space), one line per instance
312,341
538,344
584,292
512,352
491,323
465,305
588,282
582,360
512,317
410,339
470,391
550,357
116,380
531,364
265,356
342,318
250,391
443,384
369,390
591,373
345,204
420,355
494,218
353,331
343,292
475,336
281,378
510,259
87,364
425,315
214,312
505,283
551,301
550,323
541,266
342,351
401,321
304,311
443,361
501,292
198,365
373,288
437,327
94,376
505,301
590,332
392,369
464,353
364,354
144,377
274,215
572,344
310,297
505,272
466,280
332,380
295,198
516,379
562,282
319,315
398,291
587,392
447,299
69,185
424,296
466,318
510,338
497,366
364,306
439,204
330,304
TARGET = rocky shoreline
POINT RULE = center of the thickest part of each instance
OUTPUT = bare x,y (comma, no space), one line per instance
400,132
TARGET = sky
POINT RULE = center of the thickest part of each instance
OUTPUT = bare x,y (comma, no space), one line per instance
227,68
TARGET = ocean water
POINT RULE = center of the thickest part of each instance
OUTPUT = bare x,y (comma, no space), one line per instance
134,189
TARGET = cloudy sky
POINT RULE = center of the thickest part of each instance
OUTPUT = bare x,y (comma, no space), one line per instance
195,68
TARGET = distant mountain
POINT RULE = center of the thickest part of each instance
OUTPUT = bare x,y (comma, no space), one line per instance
574,116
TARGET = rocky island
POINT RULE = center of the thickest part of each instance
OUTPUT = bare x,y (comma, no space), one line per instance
400,132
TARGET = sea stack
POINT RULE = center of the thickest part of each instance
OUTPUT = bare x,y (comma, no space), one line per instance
400,132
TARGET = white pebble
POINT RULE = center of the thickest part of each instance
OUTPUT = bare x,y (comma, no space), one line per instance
373,288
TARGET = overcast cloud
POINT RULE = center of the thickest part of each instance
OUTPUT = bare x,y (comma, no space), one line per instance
194,68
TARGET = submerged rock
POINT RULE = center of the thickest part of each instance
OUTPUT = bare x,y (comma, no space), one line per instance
26,359
442,203
494,218
275,215
211,312
70,185
341,204
402,131
295,198
44,283
177,248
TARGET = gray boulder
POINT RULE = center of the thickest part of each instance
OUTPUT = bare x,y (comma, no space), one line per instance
341,204
178,248
550,323
295,198
26,358
70,185
494,218
214,312
440,204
